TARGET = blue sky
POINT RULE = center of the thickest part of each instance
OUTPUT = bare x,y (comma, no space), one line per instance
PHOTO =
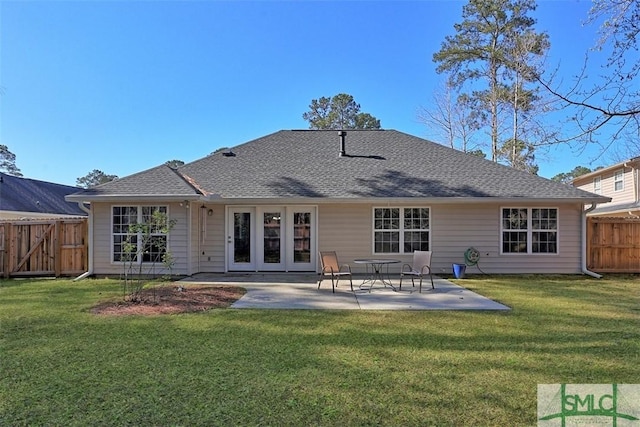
123,86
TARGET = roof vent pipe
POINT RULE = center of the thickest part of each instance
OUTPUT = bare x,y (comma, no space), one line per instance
342,134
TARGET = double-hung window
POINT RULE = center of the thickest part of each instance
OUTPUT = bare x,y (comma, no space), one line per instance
597,185
529,230
618,180
400,230
133,226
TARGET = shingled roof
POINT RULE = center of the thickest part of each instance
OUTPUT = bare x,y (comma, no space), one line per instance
375,164
161,181
32,196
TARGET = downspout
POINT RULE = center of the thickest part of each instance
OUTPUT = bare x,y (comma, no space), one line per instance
634,173
89,271
584,243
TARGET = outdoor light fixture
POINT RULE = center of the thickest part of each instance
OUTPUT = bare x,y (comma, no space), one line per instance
210,212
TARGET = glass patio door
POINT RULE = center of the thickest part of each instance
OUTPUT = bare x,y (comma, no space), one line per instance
271,243
271,238
301,244
241,239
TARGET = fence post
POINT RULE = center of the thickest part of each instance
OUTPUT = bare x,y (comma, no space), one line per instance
6,262
57,248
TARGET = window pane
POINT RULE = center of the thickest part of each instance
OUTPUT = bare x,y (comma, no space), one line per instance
123,217
618,181
154,249
416,241
542,226
124,247
271,231
514,242
401,230
544,242
387,242
241,237
158,222
302,237
544,219
514,219
416,219
387,218
149,243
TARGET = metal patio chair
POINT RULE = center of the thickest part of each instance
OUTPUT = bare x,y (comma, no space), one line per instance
331,267
420,267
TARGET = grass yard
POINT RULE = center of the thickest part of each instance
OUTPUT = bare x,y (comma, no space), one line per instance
61,365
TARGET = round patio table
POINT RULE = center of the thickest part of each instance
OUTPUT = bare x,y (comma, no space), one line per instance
375,273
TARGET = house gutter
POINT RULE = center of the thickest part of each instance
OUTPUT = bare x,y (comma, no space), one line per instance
584,242
89,271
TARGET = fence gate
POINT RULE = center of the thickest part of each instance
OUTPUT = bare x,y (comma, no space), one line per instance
43,248
613,245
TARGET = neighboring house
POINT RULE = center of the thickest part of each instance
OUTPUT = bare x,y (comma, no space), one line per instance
273,203
23,198
620,182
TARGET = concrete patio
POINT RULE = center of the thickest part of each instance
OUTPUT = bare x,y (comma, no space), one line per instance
300,291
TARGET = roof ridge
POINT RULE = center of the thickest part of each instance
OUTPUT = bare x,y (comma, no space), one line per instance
190,181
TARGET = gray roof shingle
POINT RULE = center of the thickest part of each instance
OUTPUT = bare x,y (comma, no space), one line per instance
29,195
377,164
158,181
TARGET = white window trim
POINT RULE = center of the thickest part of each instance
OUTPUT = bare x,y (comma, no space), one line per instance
530,232
616,180
597,185
401,230
111,234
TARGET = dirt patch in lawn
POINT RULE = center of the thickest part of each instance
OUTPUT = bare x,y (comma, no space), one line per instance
173,299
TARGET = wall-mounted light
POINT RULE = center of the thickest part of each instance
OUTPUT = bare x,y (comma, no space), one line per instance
210,212
185,204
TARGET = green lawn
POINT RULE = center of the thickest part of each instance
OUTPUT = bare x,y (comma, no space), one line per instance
61,365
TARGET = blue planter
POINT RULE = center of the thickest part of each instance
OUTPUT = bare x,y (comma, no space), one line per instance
459,270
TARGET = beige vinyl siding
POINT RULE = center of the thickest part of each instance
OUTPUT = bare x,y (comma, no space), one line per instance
607,185
623,196
102,239
209,240
456,228
348,230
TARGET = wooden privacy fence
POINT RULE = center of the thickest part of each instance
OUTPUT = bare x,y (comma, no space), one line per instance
43,248
613,245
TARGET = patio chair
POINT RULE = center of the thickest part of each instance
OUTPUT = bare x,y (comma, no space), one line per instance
331,267
420,267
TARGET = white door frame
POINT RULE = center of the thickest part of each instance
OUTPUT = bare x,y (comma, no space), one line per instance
292,265
287,238
280,213
232,265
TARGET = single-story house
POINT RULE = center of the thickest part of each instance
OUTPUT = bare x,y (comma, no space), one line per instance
24,198
273,203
